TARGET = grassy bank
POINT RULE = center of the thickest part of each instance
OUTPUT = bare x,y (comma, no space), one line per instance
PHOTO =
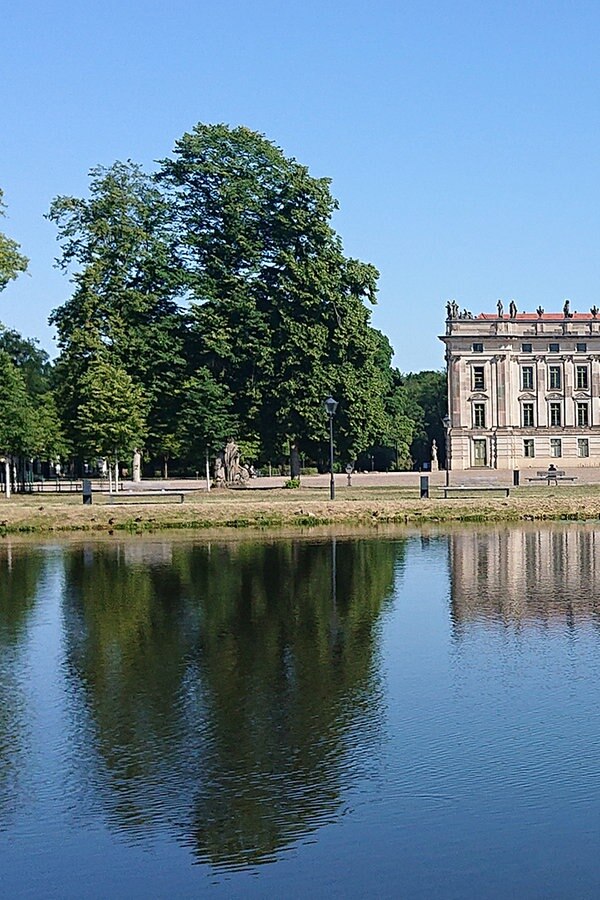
47,514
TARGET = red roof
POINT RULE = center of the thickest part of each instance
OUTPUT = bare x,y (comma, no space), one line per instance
530,317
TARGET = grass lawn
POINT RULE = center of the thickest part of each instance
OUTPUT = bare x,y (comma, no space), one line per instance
277,507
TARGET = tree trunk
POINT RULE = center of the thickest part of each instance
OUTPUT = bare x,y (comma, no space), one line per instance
116,475
137,466
294,460
207,471
165,467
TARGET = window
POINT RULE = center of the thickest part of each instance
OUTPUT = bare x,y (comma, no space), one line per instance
528,415
582,378
583,448
477,348
555,447
581,348
526,348
479,415
555,416
583,415
527,378
553,348
478,378
555,379
528,448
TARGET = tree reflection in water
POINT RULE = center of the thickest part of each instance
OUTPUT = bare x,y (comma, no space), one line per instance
225,682
20,573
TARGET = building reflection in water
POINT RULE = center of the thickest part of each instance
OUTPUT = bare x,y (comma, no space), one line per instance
221,685
525,574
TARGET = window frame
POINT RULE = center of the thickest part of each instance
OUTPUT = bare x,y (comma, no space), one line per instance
555,444
524,385
479,411
580,347
528,411
528,444
553,348
478,371
555,414
555,378
581,444
526,348
582,407
582,369
476,347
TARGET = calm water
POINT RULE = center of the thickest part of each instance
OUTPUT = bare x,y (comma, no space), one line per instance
403,716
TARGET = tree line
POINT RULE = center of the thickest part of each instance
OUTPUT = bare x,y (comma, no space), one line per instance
211,298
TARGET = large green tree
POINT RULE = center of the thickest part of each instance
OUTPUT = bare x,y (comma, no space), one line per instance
278,311
12,261
123,308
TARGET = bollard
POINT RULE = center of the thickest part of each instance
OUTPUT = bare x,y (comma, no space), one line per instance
516,477
424,487
87,491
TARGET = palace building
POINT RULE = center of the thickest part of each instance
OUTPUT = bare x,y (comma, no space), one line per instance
523,388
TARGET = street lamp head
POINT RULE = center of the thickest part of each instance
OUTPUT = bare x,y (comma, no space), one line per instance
446,422
331,405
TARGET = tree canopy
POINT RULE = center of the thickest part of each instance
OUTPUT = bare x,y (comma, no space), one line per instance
216,295
12,261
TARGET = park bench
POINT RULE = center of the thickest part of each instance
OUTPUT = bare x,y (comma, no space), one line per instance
142,496
58,485
552,477
474,488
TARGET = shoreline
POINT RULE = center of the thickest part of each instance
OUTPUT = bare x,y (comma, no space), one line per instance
46,514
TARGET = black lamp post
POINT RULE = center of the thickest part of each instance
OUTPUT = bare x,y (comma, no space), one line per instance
446,423
331,405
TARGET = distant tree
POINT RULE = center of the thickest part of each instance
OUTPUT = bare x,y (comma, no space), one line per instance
12,262
29,358
206,419
110,421
47,437
428,392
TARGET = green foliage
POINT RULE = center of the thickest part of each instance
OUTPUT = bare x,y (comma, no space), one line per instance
292,483
205,420
123,306
427,394
12,262
111,417
16,410
27,356
278,315
48,440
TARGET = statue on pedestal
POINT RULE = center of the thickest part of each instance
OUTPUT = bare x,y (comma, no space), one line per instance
435,463
228,466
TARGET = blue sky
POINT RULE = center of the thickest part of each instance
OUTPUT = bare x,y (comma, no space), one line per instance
462,138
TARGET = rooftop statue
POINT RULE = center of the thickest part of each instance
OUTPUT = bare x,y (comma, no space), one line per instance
512,309
500,306
567,310
540,311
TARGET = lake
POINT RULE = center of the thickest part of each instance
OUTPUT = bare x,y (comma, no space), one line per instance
394,714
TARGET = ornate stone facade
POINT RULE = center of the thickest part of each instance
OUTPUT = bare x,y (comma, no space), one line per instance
523,388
